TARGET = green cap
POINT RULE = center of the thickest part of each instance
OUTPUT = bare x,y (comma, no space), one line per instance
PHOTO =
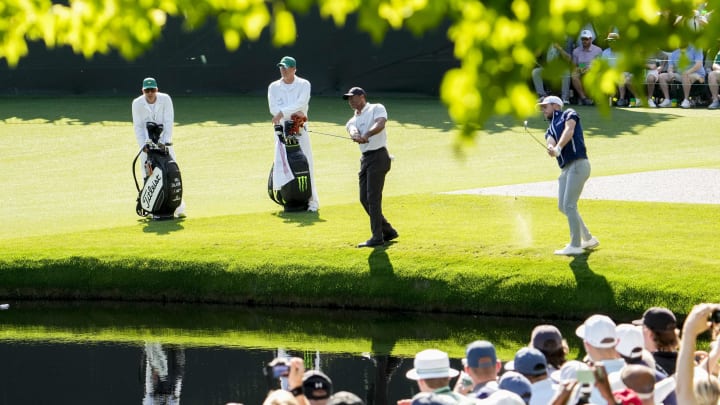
149,83
287,62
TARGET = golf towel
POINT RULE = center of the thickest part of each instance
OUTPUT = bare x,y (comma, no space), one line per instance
282,174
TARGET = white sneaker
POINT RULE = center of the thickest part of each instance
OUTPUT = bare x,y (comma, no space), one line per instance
714,105
665,103
685,104
570,251
590,243
651,103
638,103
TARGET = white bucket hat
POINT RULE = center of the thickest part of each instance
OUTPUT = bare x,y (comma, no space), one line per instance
431,363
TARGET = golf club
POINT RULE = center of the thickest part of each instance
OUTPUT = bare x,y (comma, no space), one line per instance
334,136
535,139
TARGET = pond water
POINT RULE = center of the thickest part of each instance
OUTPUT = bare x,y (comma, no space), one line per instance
120,353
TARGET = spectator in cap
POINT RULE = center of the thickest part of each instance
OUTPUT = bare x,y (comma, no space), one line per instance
566,142
482,366
156,107
659,328
631,347
515,382
531,363
289,100
549,340
367,128
317,387
433,373
295,395
599,339
582,58
345,398
705,388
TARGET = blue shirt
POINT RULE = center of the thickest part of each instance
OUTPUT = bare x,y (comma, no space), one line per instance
680,64
575,149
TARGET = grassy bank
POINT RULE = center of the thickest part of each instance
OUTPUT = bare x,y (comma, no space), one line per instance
69,230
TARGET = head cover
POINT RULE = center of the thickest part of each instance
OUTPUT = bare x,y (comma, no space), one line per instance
317,385
517,383
546,338
149,83
480,354
528,361
630,341
586,34
658,319
551,100
345,398
287,62
355,91
598,331
431,363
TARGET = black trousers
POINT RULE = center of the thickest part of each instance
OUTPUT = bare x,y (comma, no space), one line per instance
374,165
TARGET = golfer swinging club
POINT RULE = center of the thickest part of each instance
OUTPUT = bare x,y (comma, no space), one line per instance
566,143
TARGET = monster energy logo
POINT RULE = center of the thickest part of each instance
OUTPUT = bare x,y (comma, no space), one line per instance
302,183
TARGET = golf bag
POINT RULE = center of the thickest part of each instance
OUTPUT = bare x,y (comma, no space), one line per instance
162,190
294,195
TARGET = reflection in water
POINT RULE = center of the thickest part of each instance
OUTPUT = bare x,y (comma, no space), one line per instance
217,354
164,370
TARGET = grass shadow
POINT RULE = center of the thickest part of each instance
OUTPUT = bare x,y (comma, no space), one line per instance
595,122
162,227
299,218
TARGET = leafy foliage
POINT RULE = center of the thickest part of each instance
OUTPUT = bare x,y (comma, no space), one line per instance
497,42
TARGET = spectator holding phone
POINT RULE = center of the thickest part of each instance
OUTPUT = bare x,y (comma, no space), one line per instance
705,389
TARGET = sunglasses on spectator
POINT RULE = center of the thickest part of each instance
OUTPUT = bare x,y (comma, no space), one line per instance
149,90
586,38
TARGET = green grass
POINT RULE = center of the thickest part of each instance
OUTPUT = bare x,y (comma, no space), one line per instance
69,229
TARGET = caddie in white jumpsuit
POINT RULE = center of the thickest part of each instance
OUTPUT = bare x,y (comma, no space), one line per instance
157,107
287,96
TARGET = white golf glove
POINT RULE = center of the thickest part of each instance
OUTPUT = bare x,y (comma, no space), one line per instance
556,150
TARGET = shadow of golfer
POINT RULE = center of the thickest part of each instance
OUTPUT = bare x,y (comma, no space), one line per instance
162,227
379,262
299,218
591,287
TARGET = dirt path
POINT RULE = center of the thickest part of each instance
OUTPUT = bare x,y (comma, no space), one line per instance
695,186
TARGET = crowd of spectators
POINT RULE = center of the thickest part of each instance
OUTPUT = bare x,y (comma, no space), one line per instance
685,77
646,362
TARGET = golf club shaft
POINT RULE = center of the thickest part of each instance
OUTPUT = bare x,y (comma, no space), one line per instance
333,135
535,139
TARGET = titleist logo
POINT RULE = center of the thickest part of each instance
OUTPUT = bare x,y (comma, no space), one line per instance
150,189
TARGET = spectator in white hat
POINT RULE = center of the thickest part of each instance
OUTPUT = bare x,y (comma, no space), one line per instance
599,339
433,373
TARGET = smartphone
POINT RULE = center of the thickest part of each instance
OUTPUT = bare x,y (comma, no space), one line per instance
586,377
281,370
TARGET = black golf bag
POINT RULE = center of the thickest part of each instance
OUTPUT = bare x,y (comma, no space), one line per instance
162,190
294,195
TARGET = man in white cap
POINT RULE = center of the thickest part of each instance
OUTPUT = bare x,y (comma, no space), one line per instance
599,339
582,57
566,143
433,373
289,100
